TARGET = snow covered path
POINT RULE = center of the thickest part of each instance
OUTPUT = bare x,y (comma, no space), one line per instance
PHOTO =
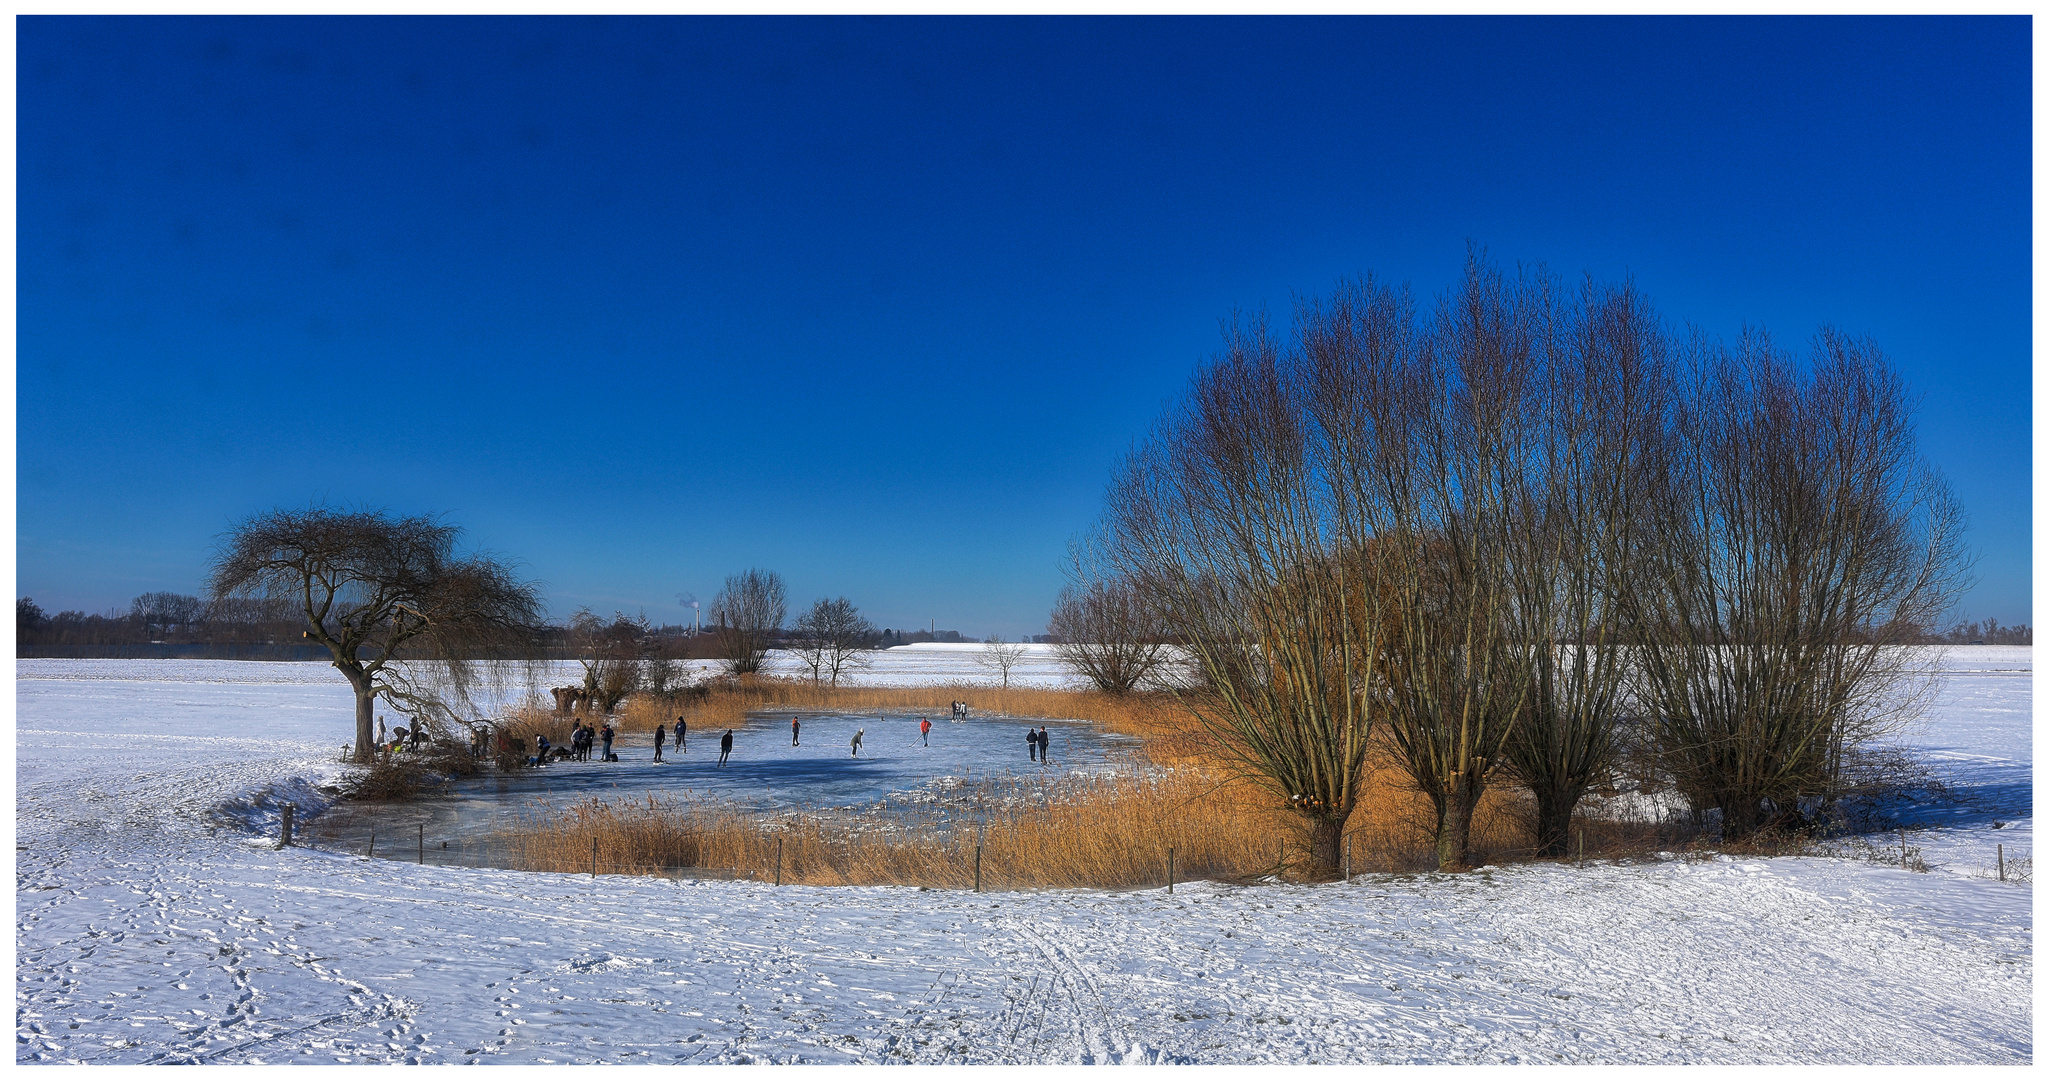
151,926
232,952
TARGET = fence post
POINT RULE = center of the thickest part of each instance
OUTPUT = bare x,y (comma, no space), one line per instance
2002,851
594,858
978,867
284,834
1170,871
778,860
422,860
371,851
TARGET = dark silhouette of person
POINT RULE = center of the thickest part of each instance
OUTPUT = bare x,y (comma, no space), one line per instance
1032,743
793,731
1045,745
661,736
725,747
679,733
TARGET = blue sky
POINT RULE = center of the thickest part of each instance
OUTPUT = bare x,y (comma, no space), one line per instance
878,303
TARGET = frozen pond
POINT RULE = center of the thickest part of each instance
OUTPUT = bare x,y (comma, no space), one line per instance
230,710
766,774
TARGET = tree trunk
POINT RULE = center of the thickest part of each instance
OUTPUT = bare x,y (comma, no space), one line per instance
1554,821
1455,825
1325,841
1742,816
366,718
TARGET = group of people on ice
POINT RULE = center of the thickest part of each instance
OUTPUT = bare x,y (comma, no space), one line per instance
584,737
581,739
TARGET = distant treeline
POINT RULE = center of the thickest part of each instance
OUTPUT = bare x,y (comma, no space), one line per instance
173,625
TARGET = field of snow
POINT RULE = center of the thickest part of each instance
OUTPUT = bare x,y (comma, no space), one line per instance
154,924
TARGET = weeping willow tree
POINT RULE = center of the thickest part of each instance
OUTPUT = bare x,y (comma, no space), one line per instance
405,617
1224,521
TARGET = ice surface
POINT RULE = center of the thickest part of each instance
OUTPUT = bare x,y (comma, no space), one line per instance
153,924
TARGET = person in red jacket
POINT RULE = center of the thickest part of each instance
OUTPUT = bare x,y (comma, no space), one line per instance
925,731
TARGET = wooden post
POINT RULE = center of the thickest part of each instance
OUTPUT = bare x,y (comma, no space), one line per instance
284,832
422,860
1348,859
978,866
779,860
1170,871
594,857
371,851
2002,851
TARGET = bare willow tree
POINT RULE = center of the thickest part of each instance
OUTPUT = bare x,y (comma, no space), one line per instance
1796,544
613,655
404,616
1222,522
749,611
1597,409
833,638
1001,657
1106,632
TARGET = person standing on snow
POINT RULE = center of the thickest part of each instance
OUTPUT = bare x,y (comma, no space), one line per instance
661,736
793,731
1032,743
725,747
925,731
857,741
1045,745
606,735
679,733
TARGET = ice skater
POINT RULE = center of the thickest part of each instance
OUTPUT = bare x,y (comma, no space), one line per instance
1045,745
1032,743
661,736
725,747
793,731
925,731
857,741
679,733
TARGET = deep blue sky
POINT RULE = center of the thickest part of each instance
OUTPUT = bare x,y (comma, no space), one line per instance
878,303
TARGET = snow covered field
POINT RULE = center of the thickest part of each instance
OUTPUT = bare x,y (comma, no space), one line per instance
153,925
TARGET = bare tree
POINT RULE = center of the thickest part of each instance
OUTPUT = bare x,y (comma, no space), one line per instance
833,639
1428,445
613,655
1223,522
371,586
1106,633
158,612
1795,545
749,611
1001,656
1598,407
